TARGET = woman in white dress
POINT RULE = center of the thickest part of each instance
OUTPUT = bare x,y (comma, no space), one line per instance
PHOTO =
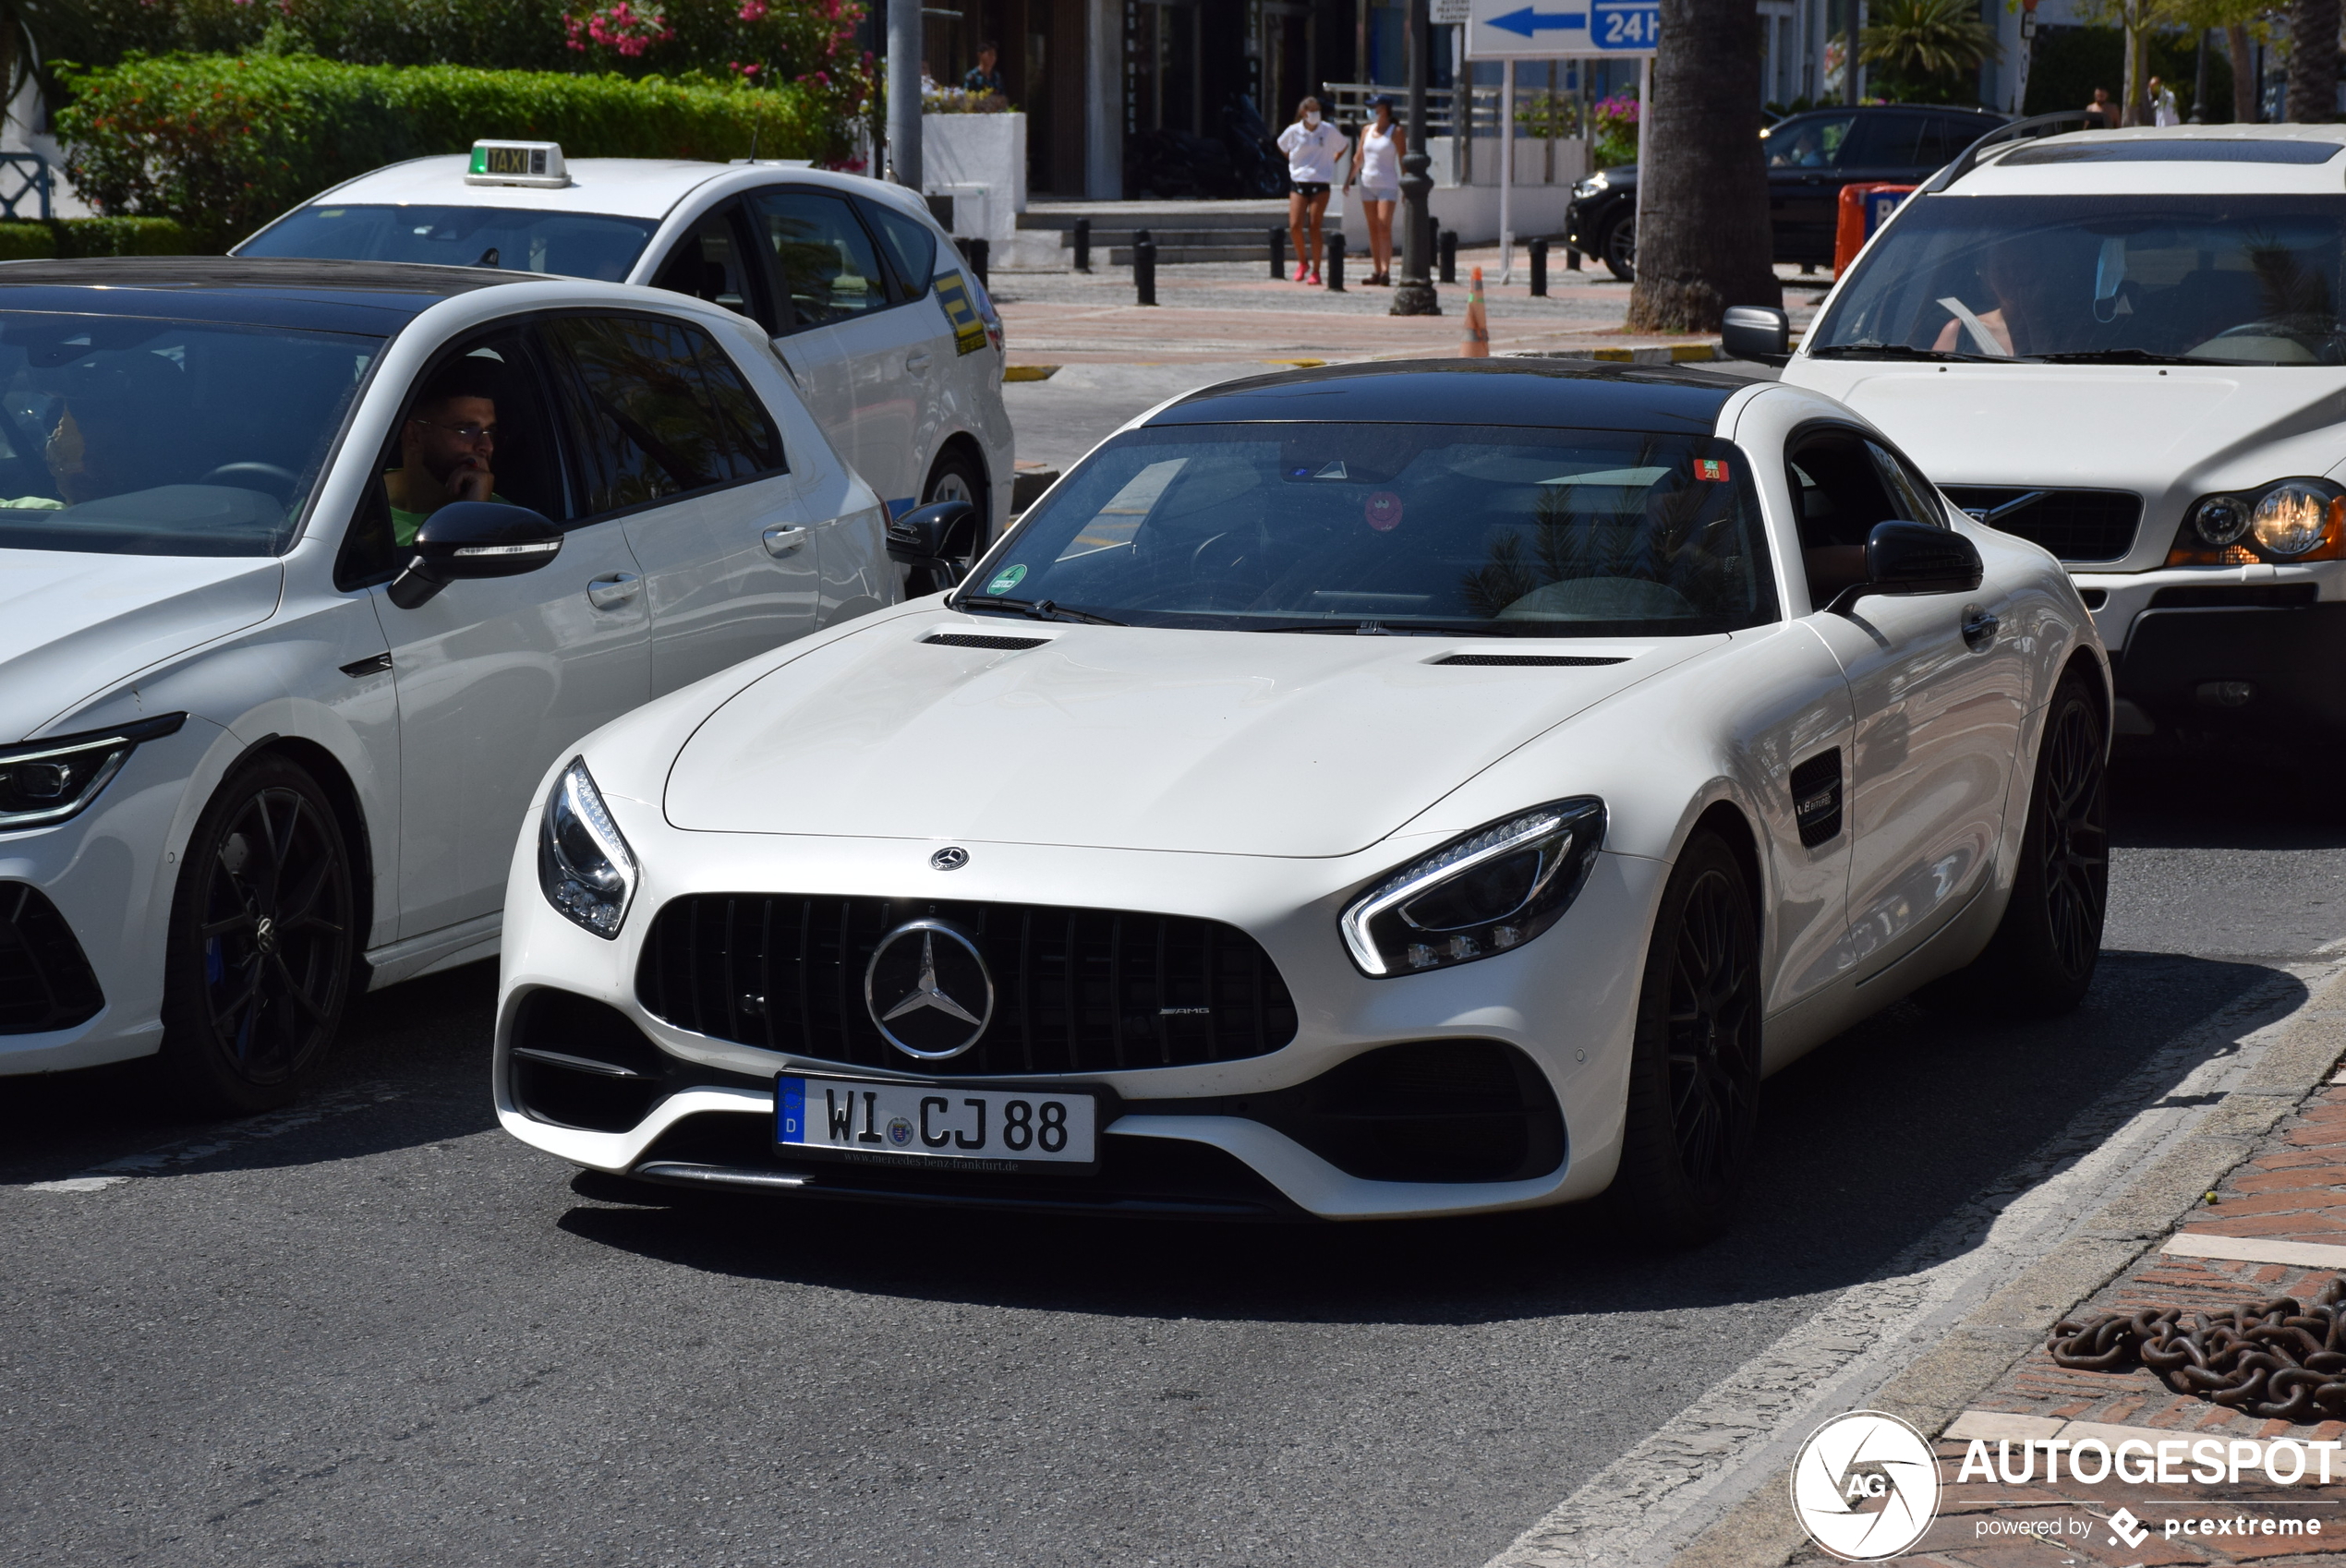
1378,169
1314,148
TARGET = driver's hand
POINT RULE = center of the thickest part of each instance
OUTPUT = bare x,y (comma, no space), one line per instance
473,484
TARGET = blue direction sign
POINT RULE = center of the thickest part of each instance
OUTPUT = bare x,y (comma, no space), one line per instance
1548,29
1625,27
1529,21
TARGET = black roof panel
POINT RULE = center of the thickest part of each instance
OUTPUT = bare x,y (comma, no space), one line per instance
1547,394
375,297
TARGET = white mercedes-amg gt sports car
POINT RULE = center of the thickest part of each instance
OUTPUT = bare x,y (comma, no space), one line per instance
1396,789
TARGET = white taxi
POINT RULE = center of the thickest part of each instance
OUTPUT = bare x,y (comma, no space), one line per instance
891,337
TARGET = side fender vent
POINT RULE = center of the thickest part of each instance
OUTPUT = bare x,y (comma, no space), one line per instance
981,640
1569,661
1816,798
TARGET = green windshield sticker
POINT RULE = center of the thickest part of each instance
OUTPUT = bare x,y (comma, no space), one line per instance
969,332
1004,580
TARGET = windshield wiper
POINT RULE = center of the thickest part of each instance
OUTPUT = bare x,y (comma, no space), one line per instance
2116,356
1379,629
1902,351
1035,610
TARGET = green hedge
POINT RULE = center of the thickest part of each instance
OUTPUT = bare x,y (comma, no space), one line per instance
94,237
222,144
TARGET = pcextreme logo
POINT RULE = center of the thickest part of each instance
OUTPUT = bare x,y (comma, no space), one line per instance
1866,1486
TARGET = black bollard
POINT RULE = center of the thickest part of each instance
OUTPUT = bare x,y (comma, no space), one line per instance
1449,248
978,251
1571,258
1082,245
1279,255
1335,264
1538,269
1144,267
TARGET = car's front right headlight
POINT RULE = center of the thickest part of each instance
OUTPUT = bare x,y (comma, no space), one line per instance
1592,185
1486,893
43,782
584,862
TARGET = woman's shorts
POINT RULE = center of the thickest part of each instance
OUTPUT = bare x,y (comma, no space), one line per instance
1389,193
1309,189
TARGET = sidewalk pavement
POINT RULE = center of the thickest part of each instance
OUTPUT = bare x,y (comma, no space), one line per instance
1224,311
2276,1225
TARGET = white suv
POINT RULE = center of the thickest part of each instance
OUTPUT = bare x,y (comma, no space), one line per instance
2127,346
891,337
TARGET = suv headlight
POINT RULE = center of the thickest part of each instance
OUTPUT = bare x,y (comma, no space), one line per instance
584,863
46,781
2289,520
1485,894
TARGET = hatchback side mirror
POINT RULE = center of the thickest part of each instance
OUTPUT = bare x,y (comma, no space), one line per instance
930,539
466,539
1758,333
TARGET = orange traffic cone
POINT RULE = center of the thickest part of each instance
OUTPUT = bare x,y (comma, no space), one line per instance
1476,344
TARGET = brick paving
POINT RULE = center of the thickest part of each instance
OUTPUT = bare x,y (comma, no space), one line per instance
2292,1188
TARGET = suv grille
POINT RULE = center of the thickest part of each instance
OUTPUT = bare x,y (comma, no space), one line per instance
2072,524
1075,990
45,982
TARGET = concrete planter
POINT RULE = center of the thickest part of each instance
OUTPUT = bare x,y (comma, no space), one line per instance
980,161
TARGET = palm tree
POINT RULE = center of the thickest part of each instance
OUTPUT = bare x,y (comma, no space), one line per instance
1925,39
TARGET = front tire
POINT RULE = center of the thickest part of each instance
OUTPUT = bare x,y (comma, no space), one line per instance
2040,962
1693,1112
259,958
1619,247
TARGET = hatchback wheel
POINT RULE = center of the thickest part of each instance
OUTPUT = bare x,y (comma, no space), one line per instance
955,478
1693,1110
262,942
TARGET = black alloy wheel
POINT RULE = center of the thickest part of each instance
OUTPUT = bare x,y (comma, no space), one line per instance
2041,962
1693,1110
262,940
1619,247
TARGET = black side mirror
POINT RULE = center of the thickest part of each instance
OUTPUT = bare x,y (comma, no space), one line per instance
1915,557
472,539
1760,333
933,537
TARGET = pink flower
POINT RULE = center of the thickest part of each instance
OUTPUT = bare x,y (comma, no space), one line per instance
753,10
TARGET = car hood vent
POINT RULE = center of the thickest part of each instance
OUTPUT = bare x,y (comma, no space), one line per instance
982,640
1572,661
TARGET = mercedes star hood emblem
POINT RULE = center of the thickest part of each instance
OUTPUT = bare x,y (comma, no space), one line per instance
928,990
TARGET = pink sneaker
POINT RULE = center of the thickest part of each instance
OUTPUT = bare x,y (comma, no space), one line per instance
1315,277
1301,268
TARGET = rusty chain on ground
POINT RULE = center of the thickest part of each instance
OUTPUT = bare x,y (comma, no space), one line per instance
2278,1359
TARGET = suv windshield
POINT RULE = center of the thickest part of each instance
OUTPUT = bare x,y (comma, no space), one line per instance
1396,527
2250,279
131,436
577,245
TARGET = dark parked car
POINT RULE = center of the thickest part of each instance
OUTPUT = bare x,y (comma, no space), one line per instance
1810,157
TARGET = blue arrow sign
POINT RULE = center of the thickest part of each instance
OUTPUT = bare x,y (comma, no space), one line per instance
1527,21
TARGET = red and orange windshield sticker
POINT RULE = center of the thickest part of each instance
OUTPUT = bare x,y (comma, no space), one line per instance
1710,468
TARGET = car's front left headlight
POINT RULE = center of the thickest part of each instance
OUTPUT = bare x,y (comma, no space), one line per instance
584,862
43,782
1485,894
1592,185
2285,522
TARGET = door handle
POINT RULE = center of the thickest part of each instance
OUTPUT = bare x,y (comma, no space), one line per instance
1978,629
916,363
784,538
610,593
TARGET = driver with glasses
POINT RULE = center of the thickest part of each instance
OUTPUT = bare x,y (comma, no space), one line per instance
445,448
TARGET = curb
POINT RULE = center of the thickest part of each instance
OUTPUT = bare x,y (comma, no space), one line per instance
1936,1388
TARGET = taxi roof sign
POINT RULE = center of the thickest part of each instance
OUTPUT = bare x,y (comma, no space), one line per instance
538,164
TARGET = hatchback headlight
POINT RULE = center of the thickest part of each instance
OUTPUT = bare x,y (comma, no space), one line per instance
2290,520
584,862
1482,895
46,781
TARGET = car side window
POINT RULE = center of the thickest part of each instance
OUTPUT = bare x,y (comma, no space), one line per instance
1838,485
714,262
1884,140
754,443
828,265
1809,143
1943,138
1916,498
911,245
646,422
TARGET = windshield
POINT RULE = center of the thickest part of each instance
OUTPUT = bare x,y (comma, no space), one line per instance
131,436
577,245
2250,279
1397,527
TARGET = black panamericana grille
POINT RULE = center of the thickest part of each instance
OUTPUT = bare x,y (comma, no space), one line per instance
45,980
981,640
2072,524
1075,990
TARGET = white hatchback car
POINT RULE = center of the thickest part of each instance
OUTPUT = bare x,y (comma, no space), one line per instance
309,570
1385,790
892,337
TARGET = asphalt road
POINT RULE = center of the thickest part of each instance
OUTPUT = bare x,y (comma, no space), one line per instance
382,1332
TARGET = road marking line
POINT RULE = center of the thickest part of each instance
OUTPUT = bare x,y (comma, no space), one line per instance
2256,1249
1664,1490
170,1157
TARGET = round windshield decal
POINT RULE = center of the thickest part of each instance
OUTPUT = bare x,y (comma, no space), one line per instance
1006,579
1385,512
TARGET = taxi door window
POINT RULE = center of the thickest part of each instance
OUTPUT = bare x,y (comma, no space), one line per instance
714,262
827,264
910,244
646,423
754,444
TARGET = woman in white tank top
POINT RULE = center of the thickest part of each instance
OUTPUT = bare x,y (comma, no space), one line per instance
1378,169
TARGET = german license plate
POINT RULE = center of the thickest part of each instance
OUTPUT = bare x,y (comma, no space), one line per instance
873,1122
